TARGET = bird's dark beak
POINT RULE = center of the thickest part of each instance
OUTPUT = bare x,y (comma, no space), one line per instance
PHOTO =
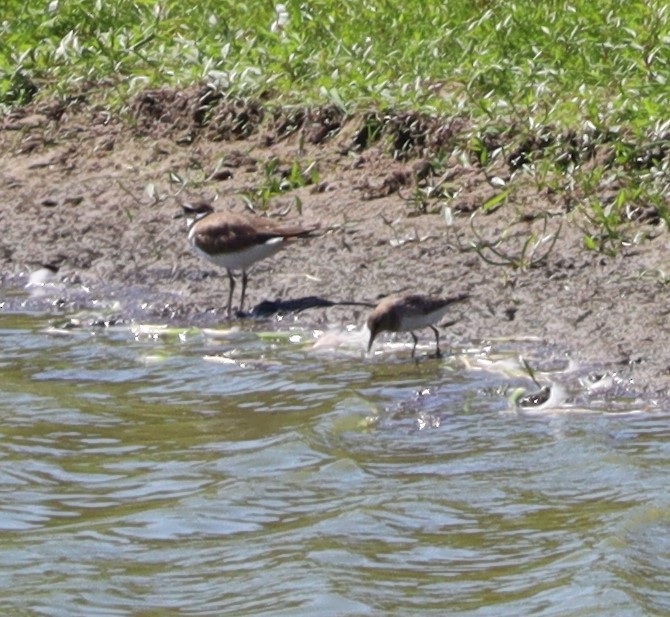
372,340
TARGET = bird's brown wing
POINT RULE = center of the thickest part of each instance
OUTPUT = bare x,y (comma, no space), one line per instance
427,304
227,232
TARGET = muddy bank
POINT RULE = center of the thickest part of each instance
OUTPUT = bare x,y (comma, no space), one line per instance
97,194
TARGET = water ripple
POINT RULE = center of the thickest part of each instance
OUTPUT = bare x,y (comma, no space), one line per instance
142,477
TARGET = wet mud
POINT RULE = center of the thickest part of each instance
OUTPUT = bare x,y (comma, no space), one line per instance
404,203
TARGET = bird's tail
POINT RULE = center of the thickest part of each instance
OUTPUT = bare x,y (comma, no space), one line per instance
299,232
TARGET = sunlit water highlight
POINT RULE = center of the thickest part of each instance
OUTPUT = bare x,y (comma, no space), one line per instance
150,471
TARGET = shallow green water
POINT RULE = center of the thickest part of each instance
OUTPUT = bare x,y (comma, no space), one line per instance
181,473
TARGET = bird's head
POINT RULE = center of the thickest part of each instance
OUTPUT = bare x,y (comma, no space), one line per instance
194,211
378,321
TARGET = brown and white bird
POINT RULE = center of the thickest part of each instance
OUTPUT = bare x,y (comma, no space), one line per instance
409,312
236,241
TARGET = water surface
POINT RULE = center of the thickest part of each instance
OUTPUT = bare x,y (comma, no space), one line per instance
179,472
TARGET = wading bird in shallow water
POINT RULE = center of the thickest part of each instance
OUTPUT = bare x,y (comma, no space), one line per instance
409,312
236,241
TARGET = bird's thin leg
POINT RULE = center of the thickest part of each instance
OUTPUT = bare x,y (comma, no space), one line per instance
416,340
244,289
438,353
231,278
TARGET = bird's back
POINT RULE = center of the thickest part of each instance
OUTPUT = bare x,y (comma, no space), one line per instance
236,241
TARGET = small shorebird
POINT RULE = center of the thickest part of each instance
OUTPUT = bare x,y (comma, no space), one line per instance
409,312
236,241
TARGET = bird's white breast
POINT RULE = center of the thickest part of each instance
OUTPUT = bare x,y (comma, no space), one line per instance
417,321
244,258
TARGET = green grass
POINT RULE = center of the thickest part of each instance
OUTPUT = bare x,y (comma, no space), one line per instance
557,81
558,62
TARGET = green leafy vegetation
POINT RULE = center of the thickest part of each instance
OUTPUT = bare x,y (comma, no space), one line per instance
564,62
279,180
571,96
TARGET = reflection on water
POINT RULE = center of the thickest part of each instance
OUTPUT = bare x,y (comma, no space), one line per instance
154,472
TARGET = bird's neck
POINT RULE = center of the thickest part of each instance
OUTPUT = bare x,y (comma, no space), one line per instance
192,219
